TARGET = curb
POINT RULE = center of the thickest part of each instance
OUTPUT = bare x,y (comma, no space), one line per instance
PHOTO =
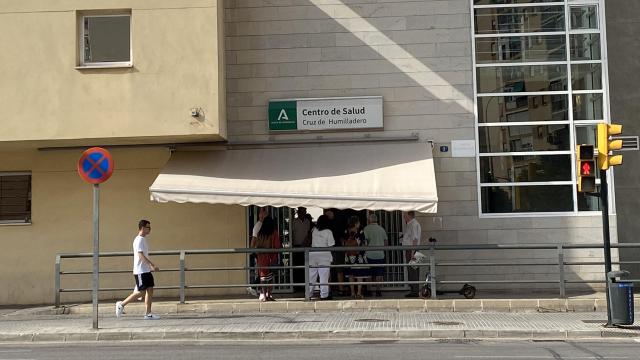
93,336
409,305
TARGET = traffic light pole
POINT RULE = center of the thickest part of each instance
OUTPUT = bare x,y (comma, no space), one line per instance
604,200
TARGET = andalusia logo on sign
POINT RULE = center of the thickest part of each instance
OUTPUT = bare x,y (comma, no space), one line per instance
283,115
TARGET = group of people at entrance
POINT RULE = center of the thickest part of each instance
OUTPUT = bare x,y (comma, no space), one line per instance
356,264
357,260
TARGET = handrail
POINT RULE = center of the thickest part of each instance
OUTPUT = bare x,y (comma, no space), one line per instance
352,248
428,250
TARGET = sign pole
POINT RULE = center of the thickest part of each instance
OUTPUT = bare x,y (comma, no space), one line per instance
95,167
96,251
604,198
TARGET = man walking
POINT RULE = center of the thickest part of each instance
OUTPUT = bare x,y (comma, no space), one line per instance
142,268
411,237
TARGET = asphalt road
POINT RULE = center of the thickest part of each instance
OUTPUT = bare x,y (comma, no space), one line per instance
326,350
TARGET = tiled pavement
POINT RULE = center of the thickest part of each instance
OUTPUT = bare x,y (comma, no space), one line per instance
297,305
334,325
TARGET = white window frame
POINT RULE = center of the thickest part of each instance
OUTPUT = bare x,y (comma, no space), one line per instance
569,92
110,64
18,173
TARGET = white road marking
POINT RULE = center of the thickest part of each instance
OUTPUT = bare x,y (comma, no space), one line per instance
533,357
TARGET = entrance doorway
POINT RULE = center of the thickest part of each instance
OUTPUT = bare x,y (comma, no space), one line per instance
391,221
283,218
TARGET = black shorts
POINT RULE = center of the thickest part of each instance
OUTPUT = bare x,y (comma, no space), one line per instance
144,281
377,271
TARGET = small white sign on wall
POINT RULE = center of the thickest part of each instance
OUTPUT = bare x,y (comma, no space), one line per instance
463,148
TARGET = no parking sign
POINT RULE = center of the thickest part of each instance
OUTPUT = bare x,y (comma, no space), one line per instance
95,165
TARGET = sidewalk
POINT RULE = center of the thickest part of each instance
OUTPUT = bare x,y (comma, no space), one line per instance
593,302
289,319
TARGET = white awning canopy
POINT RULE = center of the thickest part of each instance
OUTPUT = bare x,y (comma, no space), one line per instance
375,176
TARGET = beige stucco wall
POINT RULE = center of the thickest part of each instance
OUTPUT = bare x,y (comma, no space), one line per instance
62,222
43,97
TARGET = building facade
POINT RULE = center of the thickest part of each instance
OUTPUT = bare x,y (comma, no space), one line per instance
502,90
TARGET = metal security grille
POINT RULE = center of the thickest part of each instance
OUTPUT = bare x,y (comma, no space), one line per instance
15,197
392,222
283,218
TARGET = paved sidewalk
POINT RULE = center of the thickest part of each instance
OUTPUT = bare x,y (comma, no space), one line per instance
269,323
592,303
371,325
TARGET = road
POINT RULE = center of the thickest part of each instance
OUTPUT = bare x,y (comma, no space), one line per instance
328,349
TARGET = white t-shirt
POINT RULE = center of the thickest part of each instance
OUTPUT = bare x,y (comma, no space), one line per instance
140,266
256,228
322,238
412,233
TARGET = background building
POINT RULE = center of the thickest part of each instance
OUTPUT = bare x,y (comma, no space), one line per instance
622,23
112,72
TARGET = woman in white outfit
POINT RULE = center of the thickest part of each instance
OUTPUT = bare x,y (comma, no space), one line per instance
321,237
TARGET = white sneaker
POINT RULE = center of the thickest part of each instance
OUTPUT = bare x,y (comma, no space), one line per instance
262,297
119,309
151,317
251,291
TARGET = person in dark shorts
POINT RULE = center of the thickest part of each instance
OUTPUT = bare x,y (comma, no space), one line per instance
142,268
357,274
301,237
376,235
337,273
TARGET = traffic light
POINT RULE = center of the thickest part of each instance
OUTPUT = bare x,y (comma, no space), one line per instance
605,145
586,168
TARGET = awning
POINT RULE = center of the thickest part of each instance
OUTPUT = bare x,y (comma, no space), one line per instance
375,176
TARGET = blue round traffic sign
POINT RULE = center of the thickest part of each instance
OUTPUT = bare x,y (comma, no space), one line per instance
95,165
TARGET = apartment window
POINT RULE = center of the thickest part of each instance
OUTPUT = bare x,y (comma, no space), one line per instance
105,40
540,89
15,198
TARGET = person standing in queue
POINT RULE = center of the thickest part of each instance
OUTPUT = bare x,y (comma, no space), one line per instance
301,238
337,273
376,235
265,240
411,237
357,274
255,278
321,237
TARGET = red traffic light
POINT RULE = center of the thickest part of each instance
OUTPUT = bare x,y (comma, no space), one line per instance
587,168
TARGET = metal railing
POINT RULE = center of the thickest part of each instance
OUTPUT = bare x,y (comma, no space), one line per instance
431,251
